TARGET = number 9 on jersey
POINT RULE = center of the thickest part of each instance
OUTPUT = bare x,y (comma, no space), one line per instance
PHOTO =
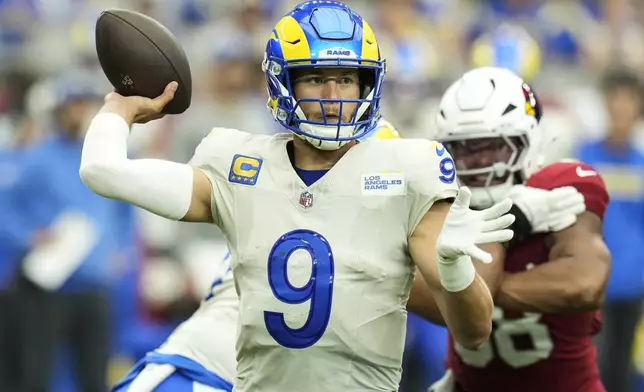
318,290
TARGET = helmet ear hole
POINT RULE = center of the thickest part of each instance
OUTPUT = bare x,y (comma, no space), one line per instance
290,77
508,109
367,81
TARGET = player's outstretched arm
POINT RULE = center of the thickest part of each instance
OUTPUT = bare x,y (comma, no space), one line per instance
443,245
421,298
574,278
169,189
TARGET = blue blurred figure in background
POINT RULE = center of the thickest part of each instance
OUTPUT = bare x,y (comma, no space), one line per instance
14,139
621,165
69,240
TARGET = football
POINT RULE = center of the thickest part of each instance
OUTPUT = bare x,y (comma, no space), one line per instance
140,57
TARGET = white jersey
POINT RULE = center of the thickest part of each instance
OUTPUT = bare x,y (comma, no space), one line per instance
208,336
323,271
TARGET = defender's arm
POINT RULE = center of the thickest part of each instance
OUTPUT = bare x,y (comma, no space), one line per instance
574,278
172,190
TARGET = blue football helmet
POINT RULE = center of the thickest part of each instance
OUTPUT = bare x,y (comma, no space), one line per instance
323,34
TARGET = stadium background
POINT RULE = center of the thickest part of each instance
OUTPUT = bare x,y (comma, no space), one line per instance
162,269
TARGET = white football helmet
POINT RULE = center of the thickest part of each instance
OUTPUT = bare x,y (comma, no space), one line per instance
489,122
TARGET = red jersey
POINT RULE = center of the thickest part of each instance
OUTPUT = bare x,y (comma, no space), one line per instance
530,351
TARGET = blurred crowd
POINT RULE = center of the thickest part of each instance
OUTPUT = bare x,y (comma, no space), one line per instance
137,276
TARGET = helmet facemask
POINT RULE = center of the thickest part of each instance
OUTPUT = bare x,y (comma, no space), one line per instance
334,128
489,165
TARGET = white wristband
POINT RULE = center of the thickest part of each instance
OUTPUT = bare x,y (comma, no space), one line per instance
456,275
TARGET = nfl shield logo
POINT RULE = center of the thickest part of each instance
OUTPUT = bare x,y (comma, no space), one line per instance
306,199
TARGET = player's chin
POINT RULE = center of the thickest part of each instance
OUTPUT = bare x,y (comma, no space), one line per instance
481,181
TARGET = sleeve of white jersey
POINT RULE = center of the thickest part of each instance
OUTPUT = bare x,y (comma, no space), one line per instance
431,177
212,157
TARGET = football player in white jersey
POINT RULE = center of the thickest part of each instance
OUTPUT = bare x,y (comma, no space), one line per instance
200,353
325,233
